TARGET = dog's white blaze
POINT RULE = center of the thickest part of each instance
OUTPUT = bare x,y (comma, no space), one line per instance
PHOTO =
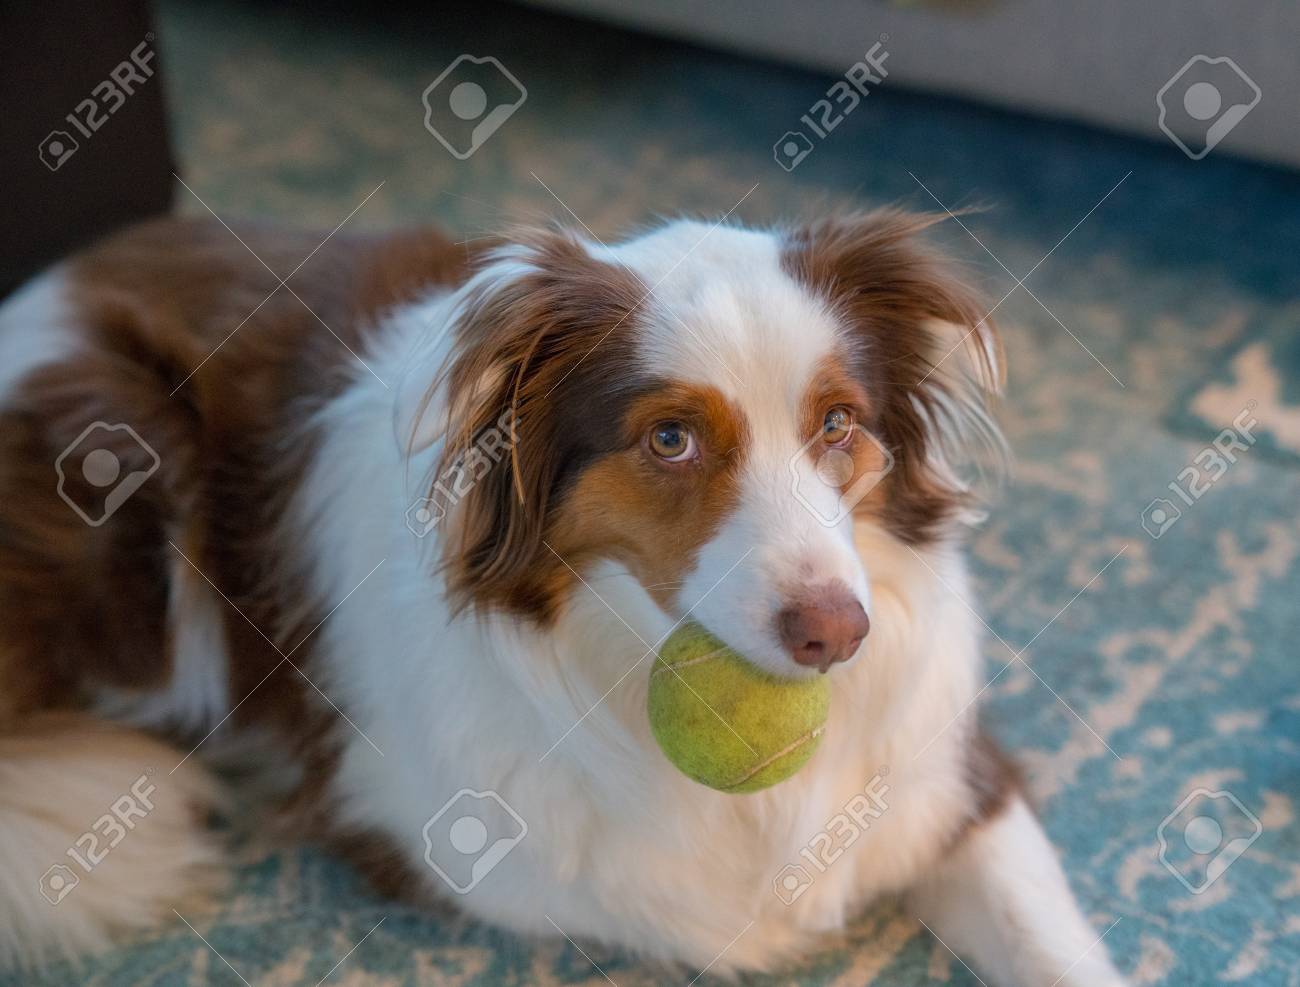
728,316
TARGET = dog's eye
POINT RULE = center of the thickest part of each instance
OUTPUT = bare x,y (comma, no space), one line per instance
837,426
672,442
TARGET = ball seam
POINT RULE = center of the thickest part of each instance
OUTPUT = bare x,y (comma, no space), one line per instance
772,759
664,666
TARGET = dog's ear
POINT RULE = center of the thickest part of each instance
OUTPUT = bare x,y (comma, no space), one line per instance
541,363
924,345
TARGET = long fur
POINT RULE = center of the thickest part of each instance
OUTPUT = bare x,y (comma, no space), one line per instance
499,646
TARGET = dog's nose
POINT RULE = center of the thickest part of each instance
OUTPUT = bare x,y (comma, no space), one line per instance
827,625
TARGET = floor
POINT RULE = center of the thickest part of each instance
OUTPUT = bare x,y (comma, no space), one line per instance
1162,306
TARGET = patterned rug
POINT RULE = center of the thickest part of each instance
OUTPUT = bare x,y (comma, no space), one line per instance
1264,367
1152,521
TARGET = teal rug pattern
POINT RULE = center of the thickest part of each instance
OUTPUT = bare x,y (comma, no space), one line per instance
1158,590
1264,367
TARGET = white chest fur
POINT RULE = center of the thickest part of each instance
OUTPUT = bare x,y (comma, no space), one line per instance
620,847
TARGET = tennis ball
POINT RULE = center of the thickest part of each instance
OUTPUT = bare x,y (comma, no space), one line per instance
725,722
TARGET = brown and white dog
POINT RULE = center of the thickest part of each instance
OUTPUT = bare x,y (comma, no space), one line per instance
411,524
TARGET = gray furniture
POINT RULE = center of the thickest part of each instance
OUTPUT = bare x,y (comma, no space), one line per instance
1101,62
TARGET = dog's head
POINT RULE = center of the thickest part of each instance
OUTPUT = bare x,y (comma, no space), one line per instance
711,408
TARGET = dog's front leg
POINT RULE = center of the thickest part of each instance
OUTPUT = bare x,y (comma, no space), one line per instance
1000,900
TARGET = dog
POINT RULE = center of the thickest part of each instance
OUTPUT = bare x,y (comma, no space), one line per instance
410,522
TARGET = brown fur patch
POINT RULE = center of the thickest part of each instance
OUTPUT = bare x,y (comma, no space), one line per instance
993,780
384,865
159,307
651,515
88,604
553,348
886,286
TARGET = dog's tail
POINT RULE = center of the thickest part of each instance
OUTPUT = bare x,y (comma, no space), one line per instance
102,833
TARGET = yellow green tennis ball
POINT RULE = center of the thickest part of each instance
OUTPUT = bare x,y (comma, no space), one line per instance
725,722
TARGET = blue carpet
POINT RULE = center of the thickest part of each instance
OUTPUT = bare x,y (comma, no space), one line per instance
1173,672
1261,370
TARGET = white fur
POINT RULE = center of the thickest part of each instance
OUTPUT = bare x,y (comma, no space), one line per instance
622,848
728,317
37,328
58,781
1002,901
